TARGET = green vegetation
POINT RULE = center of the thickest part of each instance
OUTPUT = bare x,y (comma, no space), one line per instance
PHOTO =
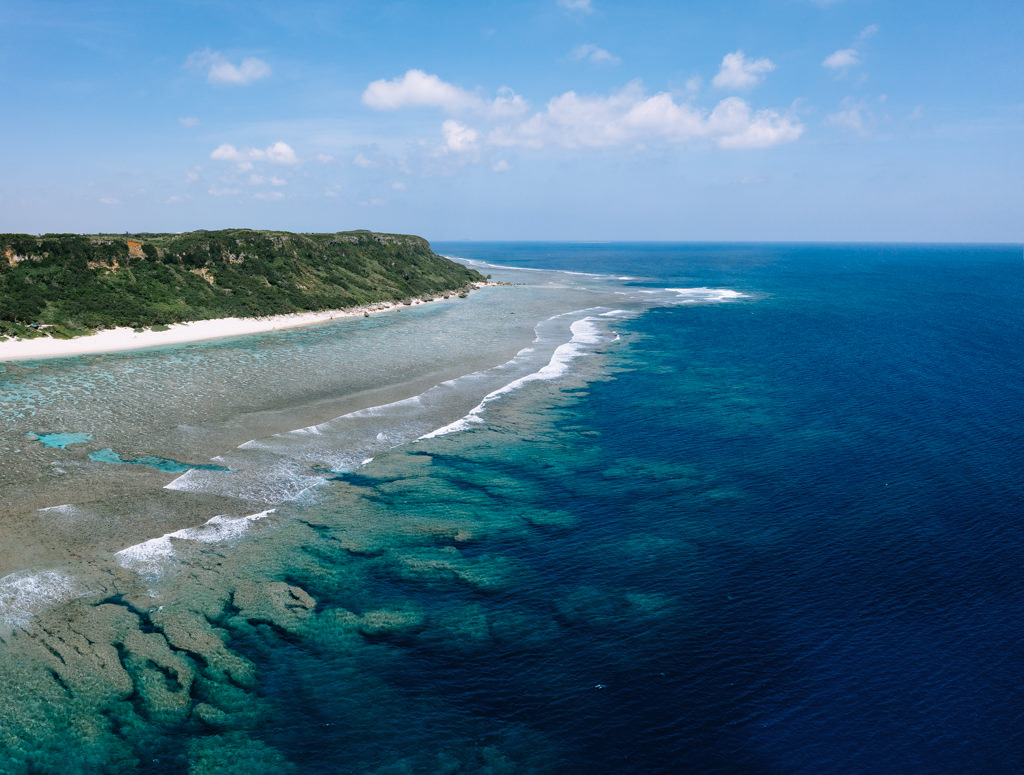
70,284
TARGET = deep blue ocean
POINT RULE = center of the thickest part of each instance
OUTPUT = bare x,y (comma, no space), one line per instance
797,542
777,533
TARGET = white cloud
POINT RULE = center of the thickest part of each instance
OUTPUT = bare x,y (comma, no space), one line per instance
594,54
188,121
417,89
739,127
501,166
276,153
220,70
223,191
849,57
332,191
398,186
630,116
583,6
192,175
507,104
279,153
694,83
458,137
226,152
259,180
852,117
737,72
324,158
841,59
362,161
109,200
270,196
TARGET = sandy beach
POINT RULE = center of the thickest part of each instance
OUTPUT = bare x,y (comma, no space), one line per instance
119,339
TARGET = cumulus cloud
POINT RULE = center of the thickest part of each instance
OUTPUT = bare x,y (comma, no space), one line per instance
582,6
735,125
595,54
631,116
506,104
458,138
276,153
219,70
738,72
843,58
417,89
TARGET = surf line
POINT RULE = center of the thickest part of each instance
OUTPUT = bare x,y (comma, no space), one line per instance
584,331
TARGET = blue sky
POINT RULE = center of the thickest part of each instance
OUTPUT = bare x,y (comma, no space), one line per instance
547,119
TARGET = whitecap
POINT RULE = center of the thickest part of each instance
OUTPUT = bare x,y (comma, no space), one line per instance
149,556
584,331
707,294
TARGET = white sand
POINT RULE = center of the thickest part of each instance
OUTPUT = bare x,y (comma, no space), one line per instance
116,339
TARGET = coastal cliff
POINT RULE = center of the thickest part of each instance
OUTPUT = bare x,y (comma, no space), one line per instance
70,284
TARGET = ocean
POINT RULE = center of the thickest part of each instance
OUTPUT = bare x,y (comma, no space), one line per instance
644,508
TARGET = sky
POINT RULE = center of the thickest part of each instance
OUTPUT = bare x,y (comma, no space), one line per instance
592,120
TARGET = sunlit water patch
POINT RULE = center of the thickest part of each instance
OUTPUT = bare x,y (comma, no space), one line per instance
61,440
152,461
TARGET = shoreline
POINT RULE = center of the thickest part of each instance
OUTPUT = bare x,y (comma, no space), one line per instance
125,339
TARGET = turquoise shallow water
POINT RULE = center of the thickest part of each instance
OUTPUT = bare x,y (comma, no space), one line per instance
667,532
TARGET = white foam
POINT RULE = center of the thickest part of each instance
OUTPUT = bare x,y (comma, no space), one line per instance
149,556
24,594
707,294
269,484
584,331
66,508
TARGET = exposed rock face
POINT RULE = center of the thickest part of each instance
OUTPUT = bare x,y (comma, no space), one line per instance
135,249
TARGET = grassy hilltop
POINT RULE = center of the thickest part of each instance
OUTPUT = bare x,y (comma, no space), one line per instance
71,284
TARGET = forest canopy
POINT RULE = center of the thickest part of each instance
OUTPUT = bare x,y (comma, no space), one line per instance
71,284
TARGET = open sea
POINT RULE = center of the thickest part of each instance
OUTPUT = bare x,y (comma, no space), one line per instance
643,508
